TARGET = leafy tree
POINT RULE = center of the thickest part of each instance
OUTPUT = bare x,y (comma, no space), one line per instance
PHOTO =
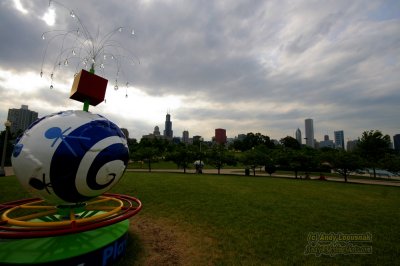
271,160
133,146
148,150
146,154
304,159
290,142
270,168
344,162
391,163
183,156
253,158
251,141
219,156
160,145
373,146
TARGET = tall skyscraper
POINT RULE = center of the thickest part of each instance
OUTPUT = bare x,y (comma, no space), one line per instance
185,136
220,136
396,141
309,126
21,118
339,139
168,133
298,136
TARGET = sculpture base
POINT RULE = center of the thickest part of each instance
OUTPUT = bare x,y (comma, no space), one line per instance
102,246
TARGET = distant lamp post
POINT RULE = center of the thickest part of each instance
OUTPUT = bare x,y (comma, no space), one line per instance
199,166
3,157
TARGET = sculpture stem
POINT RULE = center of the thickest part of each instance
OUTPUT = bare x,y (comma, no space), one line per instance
86,103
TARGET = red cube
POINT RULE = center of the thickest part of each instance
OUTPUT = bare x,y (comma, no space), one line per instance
88,87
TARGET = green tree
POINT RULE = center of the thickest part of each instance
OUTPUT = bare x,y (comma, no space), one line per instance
218,156
372,146
183,156
304,159
391,163
270,168
251,141
133,146
148,150
146,154
271,160
290,142
344,162
253,158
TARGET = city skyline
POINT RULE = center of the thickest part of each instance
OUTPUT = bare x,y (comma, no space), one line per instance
243,66
338,135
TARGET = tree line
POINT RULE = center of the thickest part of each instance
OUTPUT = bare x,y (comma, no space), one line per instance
258,151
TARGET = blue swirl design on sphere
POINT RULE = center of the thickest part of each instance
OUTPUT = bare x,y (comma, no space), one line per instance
72,148
56,133
17,149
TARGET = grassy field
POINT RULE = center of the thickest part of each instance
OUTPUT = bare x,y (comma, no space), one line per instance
254,221
237,220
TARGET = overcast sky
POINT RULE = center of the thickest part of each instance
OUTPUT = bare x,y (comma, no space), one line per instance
246,66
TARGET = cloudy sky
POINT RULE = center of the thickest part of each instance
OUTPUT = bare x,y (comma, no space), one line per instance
246,66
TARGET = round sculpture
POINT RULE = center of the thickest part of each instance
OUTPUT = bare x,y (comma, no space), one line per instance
70,157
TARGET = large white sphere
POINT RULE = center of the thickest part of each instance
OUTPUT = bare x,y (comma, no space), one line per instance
70,157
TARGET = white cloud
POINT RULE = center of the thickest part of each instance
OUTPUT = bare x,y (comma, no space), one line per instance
20,7
50,17
261,66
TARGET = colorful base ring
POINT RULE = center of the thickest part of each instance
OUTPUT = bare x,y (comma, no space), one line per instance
94,233
45,221
102,246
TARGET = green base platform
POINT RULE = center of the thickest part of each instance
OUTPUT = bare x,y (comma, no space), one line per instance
99,247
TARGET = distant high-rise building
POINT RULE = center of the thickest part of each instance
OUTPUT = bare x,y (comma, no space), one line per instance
326,143
396,141
185,136
21,118
168,133
339,139
176,140
241,136
351,145
298,136
220,136
309,126
197,139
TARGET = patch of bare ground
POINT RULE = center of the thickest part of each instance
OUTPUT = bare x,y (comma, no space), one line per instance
161,241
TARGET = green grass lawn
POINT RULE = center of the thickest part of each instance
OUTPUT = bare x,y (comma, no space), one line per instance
264,220
261,220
